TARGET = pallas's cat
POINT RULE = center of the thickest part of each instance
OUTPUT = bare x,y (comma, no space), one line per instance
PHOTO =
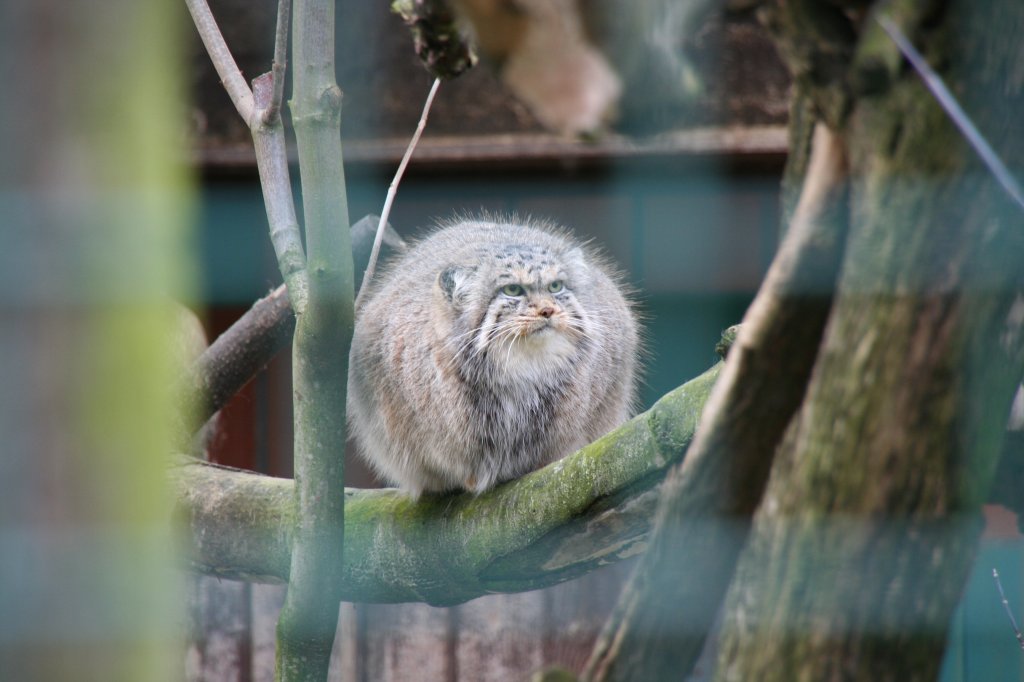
485,351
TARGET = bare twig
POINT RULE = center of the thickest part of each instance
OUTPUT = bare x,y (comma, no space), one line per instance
393,189
272,161
270,113
275,181
1006,605
227,69
959,117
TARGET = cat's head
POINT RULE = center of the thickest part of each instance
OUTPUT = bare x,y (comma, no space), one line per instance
518,304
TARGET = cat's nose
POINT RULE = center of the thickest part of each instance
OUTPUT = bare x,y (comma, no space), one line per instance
546,311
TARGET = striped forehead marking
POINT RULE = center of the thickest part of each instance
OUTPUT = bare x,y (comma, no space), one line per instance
523,255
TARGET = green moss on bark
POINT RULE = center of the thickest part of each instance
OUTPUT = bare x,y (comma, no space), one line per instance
588,509
869,524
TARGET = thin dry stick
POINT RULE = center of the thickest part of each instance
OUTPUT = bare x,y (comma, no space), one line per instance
393,189
959,117
271,112
1006,605
227,69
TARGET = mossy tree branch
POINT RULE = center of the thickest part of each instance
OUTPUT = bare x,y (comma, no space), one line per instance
584,511
238,525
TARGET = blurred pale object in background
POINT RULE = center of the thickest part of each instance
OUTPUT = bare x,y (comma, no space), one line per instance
582,67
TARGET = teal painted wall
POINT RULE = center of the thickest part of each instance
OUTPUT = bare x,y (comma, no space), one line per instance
982,646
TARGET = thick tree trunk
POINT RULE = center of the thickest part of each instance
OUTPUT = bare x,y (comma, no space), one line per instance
868,528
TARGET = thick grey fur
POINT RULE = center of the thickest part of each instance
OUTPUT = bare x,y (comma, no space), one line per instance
454,384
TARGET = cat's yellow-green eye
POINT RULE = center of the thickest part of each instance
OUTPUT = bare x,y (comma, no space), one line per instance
556,286
513,290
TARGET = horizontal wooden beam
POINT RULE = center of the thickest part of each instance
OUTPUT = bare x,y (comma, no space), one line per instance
739,144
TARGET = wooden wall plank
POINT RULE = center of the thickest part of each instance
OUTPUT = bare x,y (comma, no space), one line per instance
405,642
346,656
266,604
218,645
575,613
501,637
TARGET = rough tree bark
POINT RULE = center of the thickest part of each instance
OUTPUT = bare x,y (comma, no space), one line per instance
868,526
870,521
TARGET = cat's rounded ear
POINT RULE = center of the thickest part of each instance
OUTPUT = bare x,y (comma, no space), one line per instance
453,280
576,258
